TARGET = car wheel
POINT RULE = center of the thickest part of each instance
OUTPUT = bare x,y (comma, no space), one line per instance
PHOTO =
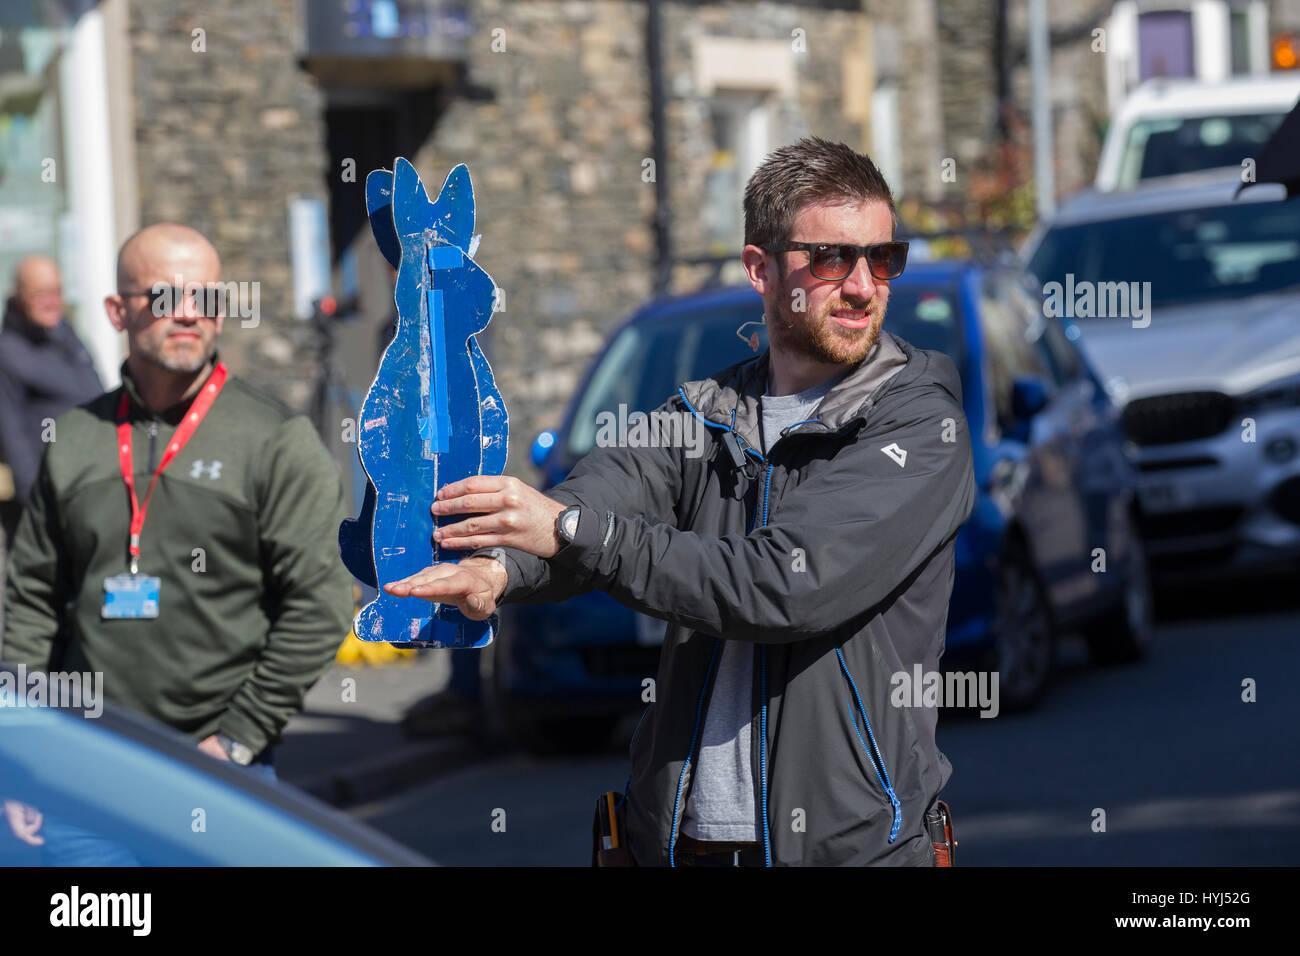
587,733
1024,653
513,723
1125,633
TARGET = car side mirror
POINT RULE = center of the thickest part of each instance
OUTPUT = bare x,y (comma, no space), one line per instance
542,446
1028,397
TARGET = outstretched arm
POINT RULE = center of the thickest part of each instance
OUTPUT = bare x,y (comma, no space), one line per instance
514,524
839,544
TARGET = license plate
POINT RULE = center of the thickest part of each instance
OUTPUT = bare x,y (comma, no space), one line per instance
1165,496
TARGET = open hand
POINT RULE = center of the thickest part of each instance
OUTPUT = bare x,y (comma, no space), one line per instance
507,513
25,822
212,747
474,585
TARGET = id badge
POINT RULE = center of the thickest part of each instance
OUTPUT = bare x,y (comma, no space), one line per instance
131,596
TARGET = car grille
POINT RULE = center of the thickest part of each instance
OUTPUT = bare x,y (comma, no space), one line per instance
1187,524
1186,416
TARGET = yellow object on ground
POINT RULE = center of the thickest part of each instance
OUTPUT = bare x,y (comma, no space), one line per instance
354,652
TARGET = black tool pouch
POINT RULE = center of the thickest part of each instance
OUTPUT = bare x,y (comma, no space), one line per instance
938,824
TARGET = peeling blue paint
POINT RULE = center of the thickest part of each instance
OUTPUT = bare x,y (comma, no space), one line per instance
433,414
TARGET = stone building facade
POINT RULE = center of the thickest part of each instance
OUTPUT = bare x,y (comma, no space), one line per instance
227,127
549,106
970,105
560,159
557,138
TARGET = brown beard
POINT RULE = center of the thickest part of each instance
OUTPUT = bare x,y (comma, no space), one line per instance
822,339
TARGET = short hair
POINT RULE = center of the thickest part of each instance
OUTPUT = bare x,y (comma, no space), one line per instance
812,170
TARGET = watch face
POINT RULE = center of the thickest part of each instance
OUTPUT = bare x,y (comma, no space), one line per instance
570,523
237,752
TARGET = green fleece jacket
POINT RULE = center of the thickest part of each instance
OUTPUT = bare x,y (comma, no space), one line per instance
242,531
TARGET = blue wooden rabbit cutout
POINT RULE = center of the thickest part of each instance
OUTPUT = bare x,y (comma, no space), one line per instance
433,415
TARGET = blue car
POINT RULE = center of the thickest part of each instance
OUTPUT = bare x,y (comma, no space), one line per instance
109,787
1050,546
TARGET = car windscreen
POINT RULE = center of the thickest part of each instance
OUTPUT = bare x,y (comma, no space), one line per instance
1187,256
648,360
1184,144
93,792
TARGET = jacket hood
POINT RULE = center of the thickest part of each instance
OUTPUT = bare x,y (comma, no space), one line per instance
737,389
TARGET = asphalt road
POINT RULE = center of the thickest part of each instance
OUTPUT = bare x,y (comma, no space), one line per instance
1185,770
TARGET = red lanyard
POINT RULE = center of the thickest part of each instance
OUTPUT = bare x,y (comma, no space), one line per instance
198,409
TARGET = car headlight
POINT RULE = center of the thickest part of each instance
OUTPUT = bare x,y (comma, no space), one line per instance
1284,393
1117,388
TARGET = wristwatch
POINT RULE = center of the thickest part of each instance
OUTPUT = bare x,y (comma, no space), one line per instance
237,752
566,524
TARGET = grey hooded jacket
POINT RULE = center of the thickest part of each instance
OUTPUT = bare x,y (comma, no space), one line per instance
832,557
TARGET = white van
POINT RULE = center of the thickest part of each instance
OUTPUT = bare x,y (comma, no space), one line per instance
1167,127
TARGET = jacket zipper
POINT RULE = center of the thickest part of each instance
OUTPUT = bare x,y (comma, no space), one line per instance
681,778
762,673
709,674
153,433
762,650
874,752
762,693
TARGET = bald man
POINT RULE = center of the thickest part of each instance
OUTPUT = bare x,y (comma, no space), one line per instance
229,601
44,371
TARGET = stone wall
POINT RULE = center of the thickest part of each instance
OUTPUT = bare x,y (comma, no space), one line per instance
968,70
558,157
557,150
1078,76
560,204
224,136
1283,15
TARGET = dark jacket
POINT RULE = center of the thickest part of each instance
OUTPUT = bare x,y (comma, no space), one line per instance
830,558
43,373
242,531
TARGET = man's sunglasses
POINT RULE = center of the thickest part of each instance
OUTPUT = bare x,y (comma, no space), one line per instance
166,300
836,260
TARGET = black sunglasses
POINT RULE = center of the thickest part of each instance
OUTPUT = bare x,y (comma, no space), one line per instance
165,300
836,260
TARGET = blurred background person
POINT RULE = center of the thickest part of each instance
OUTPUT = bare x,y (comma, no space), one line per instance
44,371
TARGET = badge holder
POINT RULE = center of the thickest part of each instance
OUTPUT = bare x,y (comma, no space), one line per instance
132,595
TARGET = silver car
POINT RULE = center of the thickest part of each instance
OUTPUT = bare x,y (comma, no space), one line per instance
1188,299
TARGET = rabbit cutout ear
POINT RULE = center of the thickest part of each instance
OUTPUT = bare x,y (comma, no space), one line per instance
412,211
398,205
454,210
379,206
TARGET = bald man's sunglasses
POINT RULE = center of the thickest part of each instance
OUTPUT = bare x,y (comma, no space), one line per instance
166,300
836,260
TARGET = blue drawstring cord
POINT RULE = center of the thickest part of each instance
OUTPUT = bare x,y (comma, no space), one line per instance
881,769
762,763
762,693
